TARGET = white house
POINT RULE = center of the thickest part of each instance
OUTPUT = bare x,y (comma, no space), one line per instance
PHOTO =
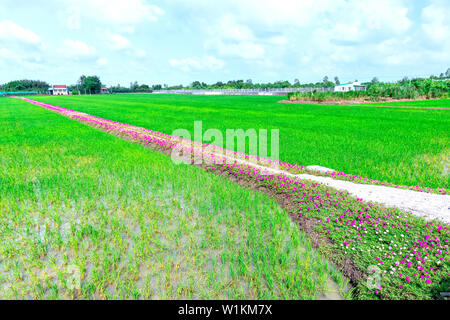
59,90
352,86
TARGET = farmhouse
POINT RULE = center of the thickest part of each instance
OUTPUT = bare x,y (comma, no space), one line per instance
351,86
104,90
59,90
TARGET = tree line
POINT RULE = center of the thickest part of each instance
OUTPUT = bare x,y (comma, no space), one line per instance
25,85
93,85
249,84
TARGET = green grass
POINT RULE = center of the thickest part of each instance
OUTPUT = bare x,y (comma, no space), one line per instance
401,146
78,202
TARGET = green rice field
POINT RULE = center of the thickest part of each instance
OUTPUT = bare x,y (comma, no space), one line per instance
401,146
87,215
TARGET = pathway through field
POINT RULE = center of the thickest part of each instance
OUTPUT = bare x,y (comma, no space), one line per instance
427,205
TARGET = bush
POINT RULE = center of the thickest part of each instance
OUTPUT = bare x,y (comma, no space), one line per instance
427,88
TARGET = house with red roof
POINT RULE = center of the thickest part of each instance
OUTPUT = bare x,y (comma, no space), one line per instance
59,90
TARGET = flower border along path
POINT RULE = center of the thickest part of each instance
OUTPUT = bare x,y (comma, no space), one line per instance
406,255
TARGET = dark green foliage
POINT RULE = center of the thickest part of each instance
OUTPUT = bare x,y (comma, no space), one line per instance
376,91
25,85
90,85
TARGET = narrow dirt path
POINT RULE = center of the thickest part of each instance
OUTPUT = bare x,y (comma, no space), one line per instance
427,205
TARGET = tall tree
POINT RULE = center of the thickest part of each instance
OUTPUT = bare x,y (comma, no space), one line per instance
196,85
81,80
91,84
134,86
336,80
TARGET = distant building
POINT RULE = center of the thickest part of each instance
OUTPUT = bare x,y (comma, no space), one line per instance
104,90
59,90
352,86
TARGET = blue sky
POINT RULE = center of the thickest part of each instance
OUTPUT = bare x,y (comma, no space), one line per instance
180,41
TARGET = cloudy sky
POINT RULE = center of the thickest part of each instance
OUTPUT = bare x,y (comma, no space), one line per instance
179,41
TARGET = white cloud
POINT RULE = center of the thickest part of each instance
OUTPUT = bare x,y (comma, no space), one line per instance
20,47
128,29
230,38
11,31
117,41
243,49
205,63
278,40
436,18
7,54
76,49
261,30
271,14
102,62
281,12
118,11
227,28
263,39
73,18
12,59
380,15
141,53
